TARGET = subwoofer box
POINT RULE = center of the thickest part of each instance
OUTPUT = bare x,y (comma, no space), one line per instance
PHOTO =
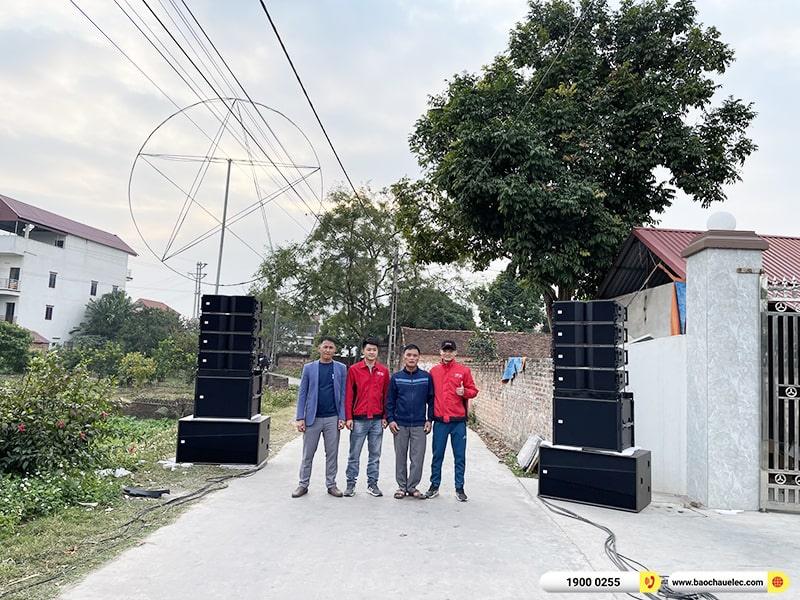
223,441
607,479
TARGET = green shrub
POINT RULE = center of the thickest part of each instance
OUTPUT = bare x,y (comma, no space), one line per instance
29,496
49,419
14,348
137,369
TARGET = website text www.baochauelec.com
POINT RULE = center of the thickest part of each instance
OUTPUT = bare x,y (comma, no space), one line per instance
727,581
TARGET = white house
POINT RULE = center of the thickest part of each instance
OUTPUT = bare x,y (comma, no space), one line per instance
51,267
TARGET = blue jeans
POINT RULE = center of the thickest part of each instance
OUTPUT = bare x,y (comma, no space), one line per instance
457,431
372,431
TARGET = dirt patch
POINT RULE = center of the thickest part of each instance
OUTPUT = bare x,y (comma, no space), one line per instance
498,447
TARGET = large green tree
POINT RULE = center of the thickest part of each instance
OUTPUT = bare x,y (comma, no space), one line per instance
343,274
510,304
555,150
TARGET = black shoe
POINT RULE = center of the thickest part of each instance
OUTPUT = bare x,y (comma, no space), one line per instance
462,497
432,492
300,491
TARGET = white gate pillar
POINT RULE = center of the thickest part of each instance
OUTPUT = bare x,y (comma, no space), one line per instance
724,368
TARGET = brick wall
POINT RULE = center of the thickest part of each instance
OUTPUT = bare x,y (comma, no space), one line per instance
512,411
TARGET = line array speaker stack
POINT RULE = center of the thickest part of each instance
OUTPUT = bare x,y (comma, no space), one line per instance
227,425
592,414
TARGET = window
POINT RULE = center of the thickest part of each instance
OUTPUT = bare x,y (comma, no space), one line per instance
115,288
93,291
52,283
59,243
48,313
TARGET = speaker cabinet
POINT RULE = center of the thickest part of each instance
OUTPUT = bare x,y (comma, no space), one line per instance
602,380
245,305
227,394
597,357
236,361
593,334
603,479
223,441
230,342
248,324
590,423
609,311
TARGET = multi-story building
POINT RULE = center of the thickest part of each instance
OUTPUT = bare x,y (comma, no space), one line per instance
51,267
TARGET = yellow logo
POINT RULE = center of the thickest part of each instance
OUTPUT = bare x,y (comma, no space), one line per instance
777,581
649,582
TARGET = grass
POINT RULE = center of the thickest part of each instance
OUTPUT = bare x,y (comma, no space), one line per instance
44,555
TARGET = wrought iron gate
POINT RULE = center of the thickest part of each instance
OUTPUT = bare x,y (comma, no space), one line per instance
780,431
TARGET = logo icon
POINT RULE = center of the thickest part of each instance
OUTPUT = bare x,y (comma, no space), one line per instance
649,581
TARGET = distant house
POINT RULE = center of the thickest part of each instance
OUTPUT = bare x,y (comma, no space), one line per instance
509,343
146,303
51,267
648,265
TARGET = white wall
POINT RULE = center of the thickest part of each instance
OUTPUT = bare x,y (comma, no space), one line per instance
77,264
657,375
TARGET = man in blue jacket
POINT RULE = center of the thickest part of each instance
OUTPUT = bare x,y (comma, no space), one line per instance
409,411
320,411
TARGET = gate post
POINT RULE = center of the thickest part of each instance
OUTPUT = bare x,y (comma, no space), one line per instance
724,368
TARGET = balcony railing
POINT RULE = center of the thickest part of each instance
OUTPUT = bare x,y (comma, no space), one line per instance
9,284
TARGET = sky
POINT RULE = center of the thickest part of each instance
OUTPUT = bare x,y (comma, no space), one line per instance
98,127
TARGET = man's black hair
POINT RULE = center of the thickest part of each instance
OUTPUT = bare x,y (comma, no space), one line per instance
370,341
412,347
327,338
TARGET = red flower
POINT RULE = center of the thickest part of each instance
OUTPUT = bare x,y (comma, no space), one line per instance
83,436
21,427
132,449
60,424
105,416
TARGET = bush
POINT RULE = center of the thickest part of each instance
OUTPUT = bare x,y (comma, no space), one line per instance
49,419
26,497
137,369
14,348
171,359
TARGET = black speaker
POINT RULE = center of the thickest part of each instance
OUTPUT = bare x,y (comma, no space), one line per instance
600,478
598,357
249,324
593,310
237,361
594,334
227,394
230,342
604,380
223,441
590,423
245,305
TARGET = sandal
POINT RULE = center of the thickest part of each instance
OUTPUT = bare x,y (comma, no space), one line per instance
400,494
417,494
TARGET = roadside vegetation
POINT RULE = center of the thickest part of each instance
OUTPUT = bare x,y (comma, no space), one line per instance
66,454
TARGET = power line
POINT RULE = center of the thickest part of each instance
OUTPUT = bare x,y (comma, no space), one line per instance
310,103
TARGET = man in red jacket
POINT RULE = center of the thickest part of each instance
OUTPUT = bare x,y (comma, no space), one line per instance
365,414
453,386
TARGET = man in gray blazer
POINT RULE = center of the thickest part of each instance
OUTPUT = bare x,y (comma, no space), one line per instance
320,411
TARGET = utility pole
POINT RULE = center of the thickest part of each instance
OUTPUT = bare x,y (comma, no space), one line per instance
198,276
393,312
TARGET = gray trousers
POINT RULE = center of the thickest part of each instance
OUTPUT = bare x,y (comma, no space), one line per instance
328,427
409,446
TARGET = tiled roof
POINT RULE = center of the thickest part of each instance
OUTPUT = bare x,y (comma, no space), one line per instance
14,210
155,304
637,264
509,343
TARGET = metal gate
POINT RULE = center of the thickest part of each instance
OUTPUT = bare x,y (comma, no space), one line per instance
780,431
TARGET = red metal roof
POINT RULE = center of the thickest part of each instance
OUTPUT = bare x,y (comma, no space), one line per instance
14,210
636,264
